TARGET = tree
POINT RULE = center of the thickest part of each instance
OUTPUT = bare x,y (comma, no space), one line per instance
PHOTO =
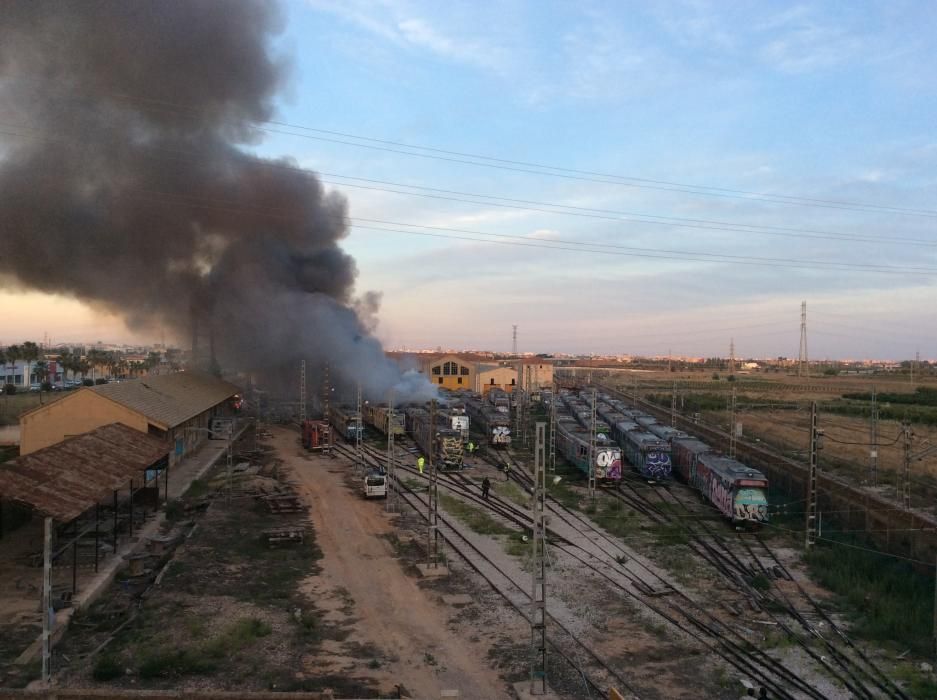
96,358
31,353
14,353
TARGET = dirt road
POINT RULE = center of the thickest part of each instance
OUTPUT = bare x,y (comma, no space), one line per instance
399,633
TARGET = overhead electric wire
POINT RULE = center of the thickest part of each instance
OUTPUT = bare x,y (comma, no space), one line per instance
530,167
378,185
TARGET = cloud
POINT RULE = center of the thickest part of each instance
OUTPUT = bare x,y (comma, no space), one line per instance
403,26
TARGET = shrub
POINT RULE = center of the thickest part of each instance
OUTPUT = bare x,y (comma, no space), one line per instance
106,668
87,382
46,386
9,388
100,380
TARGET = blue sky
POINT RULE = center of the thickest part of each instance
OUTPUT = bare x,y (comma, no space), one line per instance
830,101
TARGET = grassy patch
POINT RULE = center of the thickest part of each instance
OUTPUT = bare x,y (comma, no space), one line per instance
888,600
511,492
616,518
669,534
477,520
197,489
920,685
107,668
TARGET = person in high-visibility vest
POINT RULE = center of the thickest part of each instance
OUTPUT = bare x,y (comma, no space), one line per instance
471,447
419,463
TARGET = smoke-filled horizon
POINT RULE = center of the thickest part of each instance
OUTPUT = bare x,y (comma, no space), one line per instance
124,184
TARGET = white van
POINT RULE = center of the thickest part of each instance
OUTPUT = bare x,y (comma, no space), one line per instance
375,485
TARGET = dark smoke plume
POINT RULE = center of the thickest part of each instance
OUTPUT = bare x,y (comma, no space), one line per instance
123,183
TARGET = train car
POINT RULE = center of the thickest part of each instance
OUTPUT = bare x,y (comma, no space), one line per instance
647,453
346,422
738,491
375,484
574,444
444,443
666,432
495,425
316,435
377,416
500,399
645,421
458,420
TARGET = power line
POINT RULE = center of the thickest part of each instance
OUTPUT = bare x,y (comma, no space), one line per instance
482,160
562,209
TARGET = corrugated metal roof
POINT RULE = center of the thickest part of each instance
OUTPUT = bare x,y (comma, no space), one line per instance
66,479
169,399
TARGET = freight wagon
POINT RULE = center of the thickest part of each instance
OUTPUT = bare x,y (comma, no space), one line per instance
495,425
377,416
346,422
574,444
444,443
666,432
737,490
316,435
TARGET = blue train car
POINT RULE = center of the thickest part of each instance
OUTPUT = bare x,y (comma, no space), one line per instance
666,432
648,453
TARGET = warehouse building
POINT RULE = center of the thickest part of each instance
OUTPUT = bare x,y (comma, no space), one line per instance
177,408
460,371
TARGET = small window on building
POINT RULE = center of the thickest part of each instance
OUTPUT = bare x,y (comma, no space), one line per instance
460,380
440,380
464,371
512,382
492,381
436,370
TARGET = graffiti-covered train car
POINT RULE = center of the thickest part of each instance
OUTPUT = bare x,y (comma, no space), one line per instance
737,490
575,445
648,453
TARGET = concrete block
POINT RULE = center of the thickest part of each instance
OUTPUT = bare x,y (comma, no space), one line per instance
430,571
458,599
523,692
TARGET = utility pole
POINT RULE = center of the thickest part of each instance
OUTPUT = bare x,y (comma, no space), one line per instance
669,360
359,429
815,444
732,426
634,394
391,504
302,392
538,598
873,441
514,344
47,600
592,452
803,363
432,517
553,400
905,493
327,394
731,356
915,363
673,405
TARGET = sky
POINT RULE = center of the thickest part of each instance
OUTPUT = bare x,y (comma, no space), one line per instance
710,166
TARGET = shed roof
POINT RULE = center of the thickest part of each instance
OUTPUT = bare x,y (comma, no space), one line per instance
64,480
169,399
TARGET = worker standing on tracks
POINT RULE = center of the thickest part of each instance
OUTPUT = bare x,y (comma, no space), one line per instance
486,487
420,462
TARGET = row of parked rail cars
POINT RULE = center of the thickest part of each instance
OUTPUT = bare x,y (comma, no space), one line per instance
346,422
437,438
574,429
738,491
382,418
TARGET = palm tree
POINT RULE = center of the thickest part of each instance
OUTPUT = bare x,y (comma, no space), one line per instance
42,374
13,354
95,358
30,353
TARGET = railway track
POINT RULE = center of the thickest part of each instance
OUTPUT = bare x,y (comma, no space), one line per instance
848,663
502,582
640,582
